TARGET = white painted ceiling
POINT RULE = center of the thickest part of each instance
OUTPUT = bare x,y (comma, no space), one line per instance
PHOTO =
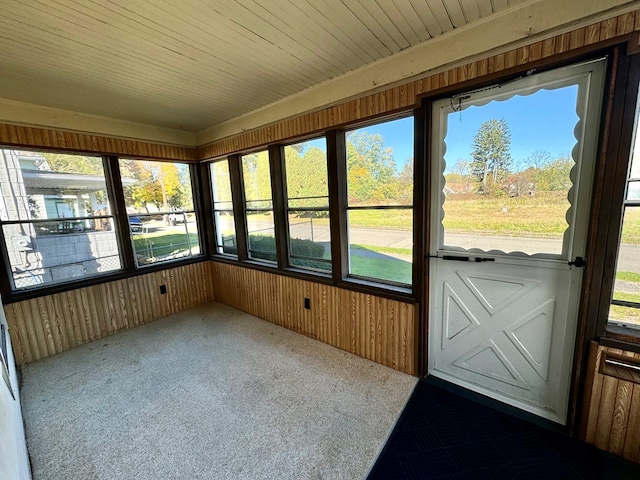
192,64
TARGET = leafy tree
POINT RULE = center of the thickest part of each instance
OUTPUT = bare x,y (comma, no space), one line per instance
156,182
257,179
554,176
371,169
405,182
306,175
491,155
60,162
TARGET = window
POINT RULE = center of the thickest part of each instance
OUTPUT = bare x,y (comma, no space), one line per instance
308,204
159,202
259,206
380,201
625,304
223,209
56,217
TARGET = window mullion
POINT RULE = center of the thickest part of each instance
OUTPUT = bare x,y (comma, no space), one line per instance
278,194
5,273
337,171
119,211
239,213
421,125
203,204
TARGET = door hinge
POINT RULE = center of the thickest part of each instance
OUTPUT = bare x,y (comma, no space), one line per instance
578,262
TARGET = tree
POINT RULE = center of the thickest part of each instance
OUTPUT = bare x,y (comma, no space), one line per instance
491,154
156,182
371,169
60,162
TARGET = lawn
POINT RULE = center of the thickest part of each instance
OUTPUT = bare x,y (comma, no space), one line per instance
163,243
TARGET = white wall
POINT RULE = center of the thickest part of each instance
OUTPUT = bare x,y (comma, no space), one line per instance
14,460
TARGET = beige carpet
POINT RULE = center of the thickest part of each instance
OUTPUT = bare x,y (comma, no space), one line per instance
208,393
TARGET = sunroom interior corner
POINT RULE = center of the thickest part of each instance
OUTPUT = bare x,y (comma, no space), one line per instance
394,212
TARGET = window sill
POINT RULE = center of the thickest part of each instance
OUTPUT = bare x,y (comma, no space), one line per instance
624,338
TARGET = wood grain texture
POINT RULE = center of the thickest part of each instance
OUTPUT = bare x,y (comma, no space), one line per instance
44,326
23,136
405,96
613,419
379,329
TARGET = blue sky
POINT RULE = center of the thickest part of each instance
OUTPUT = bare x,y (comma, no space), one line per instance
542,121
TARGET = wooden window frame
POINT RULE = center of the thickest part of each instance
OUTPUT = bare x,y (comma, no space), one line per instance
337,183
115,192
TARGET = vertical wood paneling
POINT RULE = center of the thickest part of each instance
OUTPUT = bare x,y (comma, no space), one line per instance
405,95
372,327
54,323
613,409
22,136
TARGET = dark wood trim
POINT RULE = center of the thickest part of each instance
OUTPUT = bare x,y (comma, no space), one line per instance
421,123
619,144
422,205
633,44
337,171
616,133
203,204
119,212
5,272
628,341
238,199
279,198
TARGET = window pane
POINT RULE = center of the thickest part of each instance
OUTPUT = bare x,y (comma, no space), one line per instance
159,201
307,187
507,172
53,194
306,169
223,209
380,164
60,250
257,190
221,184
381,244
226,233
627,282
310,238
633,190
156,187
262,241
39,185
156,241
257,180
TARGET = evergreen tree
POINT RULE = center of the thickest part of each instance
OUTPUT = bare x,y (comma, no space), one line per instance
491,154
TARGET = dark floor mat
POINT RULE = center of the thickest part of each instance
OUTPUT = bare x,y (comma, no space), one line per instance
441,435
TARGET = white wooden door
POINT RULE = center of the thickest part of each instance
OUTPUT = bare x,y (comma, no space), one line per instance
503,295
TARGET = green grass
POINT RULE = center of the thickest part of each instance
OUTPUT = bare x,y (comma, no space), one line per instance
399,251
628,276
391,269
162,243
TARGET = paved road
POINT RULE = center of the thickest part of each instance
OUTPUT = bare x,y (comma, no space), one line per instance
629,254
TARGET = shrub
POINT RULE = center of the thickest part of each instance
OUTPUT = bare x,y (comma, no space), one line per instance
266,249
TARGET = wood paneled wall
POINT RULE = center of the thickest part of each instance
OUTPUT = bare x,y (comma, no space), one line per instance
376,328
34,137
405,96
611,408
51,324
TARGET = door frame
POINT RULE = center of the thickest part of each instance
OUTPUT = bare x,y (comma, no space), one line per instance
617,51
